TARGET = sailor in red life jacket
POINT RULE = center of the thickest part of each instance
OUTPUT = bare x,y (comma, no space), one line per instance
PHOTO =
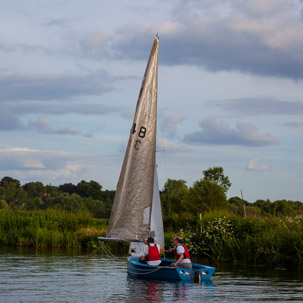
151,252
182,254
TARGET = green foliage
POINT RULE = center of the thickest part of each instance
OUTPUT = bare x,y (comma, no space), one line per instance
216,174
5,180
3,204
86,196
272,241
34,189
50,228
89,189
173,195
204,196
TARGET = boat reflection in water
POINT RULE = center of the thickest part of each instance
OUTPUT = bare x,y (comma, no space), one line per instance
159,291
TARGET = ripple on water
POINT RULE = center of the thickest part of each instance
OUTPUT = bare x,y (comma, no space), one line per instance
43,277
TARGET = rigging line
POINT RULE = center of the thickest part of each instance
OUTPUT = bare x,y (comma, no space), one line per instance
164,154
107,251
165,164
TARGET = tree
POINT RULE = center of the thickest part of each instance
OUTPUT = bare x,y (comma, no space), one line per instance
264,206
73,202
174,192
216,174
14,195
34,189
206,195
6,180
95,207
283,207
89,189
68,188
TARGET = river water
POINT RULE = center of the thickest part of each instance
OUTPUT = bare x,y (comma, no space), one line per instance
60,276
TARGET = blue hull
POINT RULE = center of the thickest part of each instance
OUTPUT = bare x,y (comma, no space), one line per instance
164,272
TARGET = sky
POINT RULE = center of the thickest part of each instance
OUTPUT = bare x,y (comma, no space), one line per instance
230,90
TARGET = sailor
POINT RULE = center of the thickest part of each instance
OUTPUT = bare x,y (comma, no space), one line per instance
151,252
182,254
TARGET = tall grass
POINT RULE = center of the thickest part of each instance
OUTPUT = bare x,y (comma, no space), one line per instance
49,228
261,241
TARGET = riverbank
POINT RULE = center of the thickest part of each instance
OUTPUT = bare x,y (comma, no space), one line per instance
271,241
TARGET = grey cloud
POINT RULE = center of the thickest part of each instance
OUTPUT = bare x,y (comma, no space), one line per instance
47,166
52,87
28,159
170,123
11,113
94,44
57,22
42,125
9,120
7,48
294,124
213,132
262,106
59,108
237,41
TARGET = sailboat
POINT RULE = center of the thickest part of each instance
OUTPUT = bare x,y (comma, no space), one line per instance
136,212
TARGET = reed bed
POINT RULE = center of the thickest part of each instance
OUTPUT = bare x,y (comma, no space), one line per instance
50,228
221,237
272,241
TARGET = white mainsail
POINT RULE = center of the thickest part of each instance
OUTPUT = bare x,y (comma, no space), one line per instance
131,213
156,224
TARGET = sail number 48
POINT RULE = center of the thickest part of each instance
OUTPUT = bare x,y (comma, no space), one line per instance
142,131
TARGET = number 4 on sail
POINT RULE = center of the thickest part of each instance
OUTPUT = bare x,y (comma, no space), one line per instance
136,212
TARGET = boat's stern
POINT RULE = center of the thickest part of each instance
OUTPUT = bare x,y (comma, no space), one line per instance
206,272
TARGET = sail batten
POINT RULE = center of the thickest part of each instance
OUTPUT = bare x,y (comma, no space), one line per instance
131,212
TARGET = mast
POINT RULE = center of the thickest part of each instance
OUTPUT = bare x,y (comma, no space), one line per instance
131,212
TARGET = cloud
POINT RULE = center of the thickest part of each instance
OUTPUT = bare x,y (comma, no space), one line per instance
53,87
294,124
170,123
42,125
262,106
59,108
256,38
170,147
213,132
60,22
94,44
254,164
21,158
9,120
43,165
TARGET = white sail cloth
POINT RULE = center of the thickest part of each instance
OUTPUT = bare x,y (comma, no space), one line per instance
156,225
131,212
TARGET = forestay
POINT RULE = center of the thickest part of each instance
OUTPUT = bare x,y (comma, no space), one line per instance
131,212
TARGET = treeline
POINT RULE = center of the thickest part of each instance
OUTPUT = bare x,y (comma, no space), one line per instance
179,201
209,194
85,196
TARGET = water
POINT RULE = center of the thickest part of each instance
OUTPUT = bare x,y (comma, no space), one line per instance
60,276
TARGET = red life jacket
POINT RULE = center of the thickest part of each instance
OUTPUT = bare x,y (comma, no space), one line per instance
153,253
186,253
